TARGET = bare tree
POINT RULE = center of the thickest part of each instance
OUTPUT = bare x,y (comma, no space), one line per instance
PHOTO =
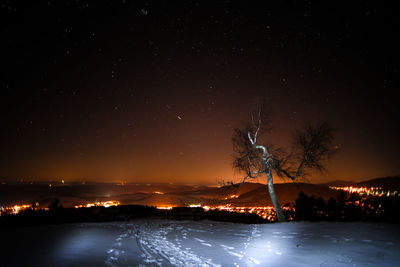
311,147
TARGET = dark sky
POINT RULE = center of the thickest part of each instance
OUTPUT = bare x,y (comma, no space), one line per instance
151,91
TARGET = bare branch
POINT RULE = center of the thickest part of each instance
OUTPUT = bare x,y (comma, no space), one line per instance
251,139
310,149
312,146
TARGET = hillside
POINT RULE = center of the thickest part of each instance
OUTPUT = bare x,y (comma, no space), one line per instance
339,183
387,183
165,194
287,192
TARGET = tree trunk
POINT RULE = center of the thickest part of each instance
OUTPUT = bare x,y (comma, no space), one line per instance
279,213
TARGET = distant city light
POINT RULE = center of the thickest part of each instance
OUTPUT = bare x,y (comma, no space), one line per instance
231,197
369,191
14,209
164,207
105,204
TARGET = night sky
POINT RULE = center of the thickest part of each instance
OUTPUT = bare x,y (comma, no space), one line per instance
144,91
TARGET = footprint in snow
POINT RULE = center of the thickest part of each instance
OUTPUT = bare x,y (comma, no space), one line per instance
203,242
227,247
240,234
254,260
240,256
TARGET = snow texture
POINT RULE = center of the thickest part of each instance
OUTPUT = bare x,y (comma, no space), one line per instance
203,243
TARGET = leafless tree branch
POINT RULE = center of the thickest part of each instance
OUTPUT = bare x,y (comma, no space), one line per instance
311,147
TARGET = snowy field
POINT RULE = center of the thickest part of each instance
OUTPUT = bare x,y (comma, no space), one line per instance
202,243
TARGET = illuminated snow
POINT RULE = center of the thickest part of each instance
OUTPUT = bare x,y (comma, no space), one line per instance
206,243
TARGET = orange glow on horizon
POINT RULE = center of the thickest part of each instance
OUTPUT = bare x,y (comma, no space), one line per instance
105,204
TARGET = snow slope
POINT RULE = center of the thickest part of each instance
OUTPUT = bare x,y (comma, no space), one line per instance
203,243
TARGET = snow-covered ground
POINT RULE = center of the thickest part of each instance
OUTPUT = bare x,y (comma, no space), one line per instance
202,243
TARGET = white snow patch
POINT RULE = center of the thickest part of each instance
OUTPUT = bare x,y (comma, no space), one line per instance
227,247
163,243
254,260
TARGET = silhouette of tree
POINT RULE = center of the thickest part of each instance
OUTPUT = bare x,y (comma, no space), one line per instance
311,147
55,205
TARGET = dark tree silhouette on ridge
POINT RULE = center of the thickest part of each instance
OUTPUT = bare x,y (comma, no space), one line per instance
311,147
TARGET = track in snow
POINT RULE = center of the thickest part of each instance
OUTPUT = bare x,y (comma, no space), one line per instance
202,243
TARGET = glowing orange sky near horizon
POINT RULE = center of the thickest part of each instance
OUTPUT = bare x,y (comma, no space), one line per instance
107,93
206,162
